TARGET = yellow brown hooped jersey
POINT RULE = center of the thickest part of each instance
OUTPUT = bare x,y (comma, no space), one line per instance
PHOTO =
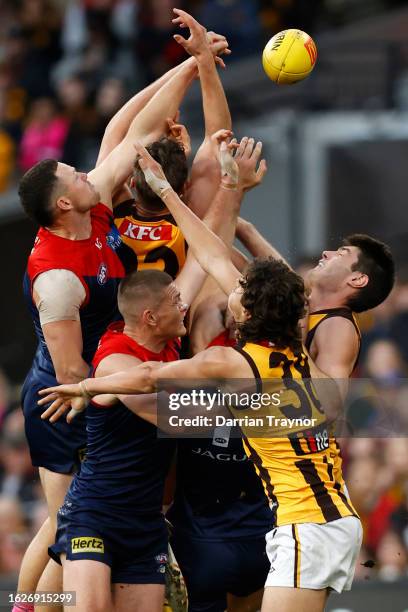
296,468
150,242
315,318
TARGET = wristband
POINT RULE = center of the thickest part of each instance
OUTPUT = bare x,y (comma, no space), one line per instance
85,392
229,186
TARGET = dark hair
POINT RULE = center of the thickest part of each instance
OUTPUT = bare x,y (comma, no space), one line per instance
137,287
35,191
274,295
375,260
171,157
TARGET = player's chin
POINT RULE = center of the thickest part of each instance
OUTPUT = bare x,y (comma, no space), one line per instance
182,330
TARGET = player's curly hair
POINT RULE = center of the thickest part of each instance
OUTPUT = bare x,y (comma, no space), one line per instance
36,189
274,296
375,260
171,157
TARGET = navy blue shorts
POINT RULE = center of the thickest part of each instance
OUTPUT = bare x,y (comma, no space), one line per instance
213,569
59,447
136,555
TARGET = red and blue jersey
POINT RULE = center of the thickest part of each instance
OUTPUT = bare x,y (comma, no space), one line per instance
218,495
126,463
95,263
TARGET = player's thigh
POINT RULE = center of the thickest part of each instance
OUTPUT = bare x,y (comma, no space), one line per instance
251,603
289,599
140,597
55,487
91,583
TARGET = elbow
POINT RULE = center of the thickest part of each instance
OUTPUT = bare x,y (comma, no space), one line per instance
67,375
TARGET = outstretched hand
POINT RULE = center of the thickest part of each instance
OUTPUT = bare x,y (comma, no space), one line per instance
218,46
247,157
63,398
197,44
179,133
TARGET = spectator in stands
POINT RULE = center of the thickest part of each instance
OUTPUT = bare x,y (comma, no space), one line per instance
45,134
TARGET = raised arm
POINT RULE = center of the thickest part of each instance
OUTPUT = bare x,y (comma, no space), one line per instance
205,174
147,126
119,124
211,253
256,244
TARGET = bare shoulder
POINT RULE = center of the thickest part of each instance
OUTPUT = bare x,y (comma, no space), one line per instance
226,362
116,363
335,329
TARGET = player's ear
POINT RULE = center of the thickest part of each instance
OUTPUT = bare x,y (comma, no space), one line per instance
358,280
149,318
64,203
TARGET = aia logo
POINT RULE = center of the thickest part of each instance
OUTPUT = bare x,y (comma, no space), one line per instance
312,51
102,276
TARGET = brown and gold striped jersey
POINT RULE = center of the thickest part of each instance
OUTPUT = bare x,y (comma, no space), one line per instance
315,319
156,242
293,461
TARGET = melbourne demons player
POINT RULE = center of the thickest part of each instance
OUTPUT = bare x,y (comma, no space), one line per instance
121,537
314,517
71,286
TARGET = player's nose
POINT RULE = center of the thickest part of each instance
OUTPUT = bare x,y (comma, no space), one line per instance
327,254
183,307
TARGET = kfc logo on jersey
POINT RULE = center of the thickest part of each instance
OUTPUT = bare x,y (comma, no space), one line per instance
145,232
102,276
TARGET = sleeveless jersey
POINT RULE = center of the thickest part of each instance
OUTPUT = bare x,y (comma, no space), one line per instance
155,242
126,462
315,319
99,269
296,468
218,494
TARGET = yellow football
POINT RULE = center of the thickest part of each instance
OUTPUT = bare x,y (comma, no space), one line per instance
289,56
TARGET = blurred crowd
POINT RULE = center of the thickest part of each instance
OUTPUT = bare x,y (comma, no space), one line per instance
66,66
375,451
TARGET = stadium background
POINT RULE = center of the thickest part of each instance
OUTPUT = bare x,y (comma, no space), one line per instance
337,150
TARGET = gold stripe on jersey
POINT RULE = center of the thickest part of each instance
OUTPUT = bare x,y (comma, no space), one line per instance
314,320
294,463
158,244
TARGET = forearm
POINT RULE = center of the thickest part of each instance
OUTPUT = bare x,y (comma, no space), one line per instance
151,121
256,244
215,106
207,248
221,217
120,123
127,382
71,371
